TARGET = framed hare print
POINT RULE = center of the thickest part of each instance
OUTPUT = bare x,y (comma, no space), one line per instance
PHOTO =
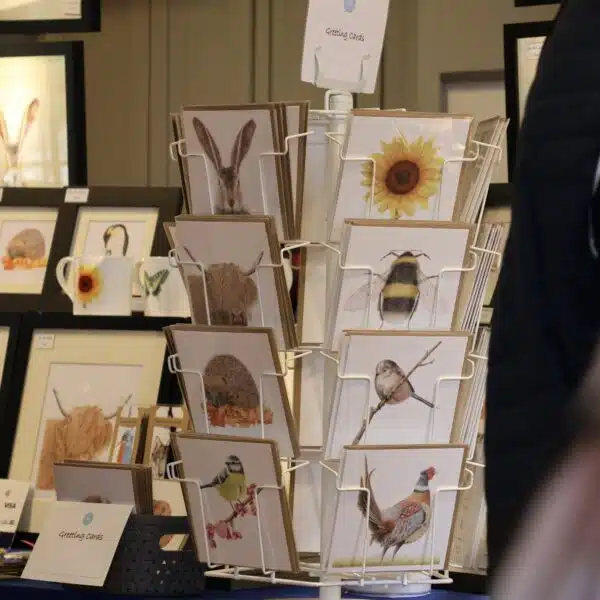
42,115
233,163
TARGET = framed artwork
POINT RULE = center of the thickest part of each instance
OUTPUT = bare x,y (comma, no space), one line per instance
400,410
72,376
115,221
127,433
42,115
158,451
397,252
10,324
240,250
49,16
523,44
233,362
232,471
28,252
403,483
406,154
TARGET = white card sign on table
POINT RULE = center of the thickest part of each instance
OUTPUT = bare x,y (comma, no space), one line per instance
343,41
13,495
77,543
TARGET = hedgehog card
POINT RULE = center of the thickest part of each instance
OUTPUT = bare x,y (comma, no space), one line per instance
233,383
396,508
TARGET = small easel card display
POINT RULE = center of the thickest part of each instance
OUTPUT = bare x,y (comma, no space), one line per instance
239,505
388,525
343,42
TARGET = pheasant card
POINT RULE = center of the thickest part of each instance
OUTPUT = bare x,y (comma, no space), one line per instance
243,501
404,174
403,401
389,524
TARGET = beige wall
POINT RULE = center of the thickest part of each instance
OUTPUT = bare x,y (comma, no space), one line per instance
152,56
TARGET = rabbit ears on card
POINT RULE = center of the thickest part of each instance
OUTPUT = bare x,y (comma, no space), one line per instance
239,150
13,146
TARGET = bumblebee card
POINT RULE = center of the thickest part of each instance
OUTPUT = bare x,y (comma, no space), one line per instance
397,275
231,383
403,401
389,524
240,482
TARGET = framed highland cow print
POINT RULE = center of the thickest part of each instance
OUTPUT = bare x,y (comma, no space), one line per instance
42,115
76,374
49,16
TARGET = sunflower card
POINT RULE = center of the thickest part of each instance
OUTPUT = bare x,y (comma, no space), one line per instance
243,501
407,156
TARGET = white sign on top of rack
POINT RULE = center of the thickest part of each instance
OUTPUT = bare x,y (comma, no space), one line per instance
343,42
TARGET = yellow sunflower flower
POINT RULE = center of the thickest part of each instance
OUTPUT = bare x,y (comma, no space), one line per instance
89,284
407,175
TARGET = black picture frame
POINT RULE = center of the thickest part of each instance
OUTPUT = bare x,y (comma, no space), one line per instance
167,200
513,32
73,54
519,3
25,198
30,322
90,20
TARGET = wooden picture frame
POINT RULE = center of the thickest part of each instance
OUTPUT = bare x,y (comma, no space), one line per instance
513,34
88,20
120,440
50,341
74,97
166,201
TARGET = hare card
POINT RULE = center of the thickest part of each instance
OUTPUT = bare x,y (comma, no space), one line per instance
403,518
238,260
398,276
410,168
234,384
233,163
240,482
412,393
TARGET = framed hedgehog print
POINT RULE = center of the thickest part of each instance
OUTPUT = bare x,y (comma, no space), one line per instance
49,16
404,167
76,375
391,529
42,115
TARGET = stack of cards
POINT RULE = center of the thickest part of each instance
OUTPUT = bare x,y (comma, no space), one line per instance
105,483
236,161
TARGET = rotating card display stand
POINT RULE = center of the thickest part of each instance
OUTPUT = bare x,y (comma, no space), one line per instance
357,579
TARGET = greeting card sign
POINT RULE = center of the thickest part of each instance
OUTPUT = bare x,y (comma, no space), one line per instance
13,495
343,42
77,543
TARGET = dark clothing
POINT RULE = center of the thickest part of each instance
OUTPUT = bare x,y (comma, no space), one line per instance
547,305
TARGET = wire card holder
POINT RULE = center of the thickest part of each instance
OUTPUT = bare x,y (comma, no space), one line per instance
328,582
323,81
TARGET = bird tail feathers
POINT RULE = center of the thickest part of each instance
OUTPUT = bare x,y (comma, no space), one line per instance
421,399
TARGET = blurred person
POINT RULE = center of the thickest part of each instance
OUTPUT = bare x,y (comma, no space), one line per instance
547,306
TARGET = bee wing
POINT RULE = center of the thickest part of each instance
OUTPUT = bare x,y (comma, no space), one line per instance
358,300
428,285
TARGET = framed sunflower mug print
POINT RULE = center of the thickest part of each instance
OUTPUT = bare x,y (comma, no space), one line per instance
100,285
406,157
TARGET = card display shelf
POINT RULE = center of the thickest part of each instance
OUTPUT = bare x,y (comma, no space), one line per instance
328,583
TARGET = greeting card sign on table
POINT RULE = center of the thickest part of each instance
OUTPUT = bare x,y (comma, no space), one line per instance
343,41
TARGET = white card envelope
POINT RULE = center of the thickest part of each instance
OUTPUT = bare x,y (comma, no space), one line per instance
343,42
77,543
13,495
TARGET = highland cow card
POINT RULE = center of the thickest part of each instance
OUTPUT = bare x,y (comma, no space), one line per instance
241,485
389,524
412,393
411,168
234,384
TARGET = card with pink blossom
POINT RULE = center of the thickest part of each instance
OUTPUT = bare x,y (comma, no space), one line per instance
239,510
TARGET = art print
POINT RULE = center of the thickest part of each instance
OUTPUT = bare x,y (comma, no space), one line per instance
168,501
403,402
413,281
390,527
40,10
26,237
233,473
33,122
158,452
235,395
405,165
236,260
126,436
227,179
